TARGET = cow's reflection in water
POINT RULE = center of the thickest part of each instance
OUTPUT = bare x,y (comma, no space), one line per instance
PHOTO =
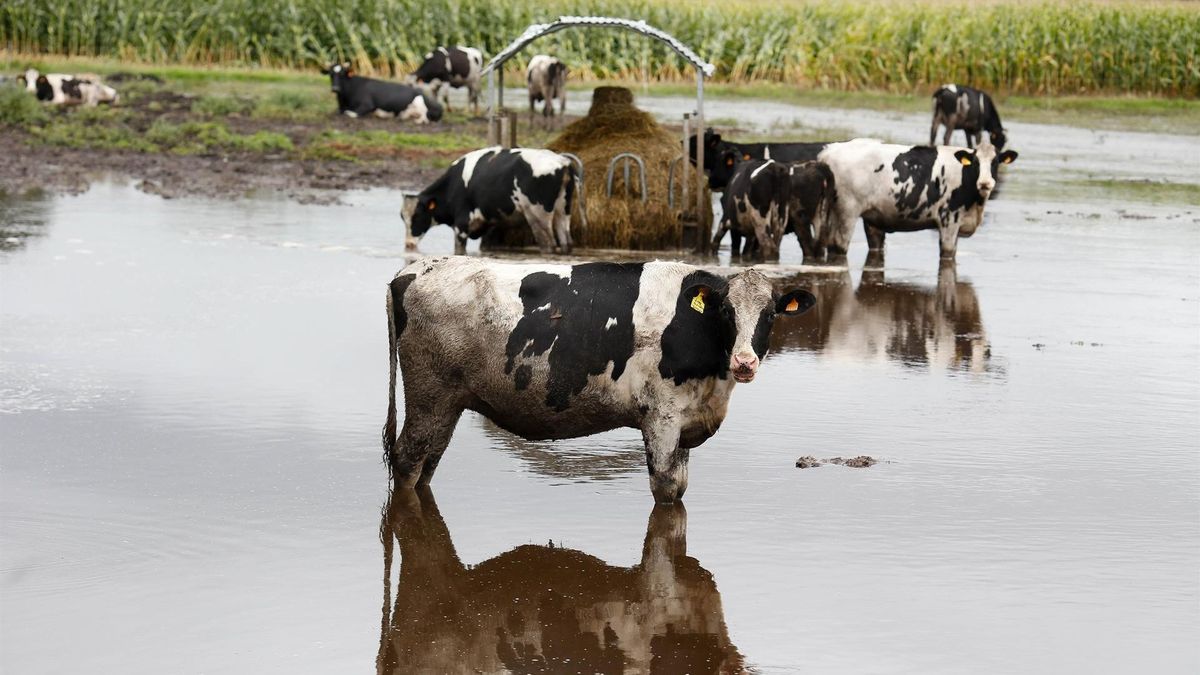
545,609
913,324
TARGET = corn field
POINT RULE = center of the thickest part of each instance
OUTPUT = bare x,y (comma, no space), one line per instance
1014,47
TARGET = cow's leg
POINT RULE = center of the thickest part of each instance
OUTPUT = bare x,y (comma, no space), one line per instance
460,241
933,129
948,240
971,140
949,133
532,103
543,230
735,242
665,459
562,230
429,422
875,236
722,228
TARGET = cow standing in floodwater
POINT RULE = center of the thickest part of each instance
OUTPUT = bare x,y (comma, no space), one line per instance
558,351
959,107
498,187
903,188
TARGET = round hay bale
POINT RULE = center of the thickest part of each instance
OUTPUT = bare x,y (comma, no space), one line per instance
613,126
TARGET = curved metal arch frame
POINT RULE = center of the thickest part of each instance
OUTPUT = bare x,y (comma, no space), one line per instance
703,68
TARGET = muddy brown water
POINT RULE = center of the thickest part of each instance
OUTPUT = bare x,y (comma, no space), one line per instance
190,480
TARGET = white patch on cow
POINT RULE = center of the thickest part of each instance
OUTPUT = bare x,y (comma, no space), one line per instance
542,162
766,152
416,111
380,112
755,173
612,321
472,158
952,87
350,113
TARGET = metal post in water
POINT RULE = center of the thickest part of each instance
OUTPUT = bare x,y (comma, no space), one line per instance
685,178
504,131
700,205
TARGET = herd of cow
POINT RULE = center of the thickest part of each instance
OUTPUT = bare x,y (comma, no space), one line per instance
551,351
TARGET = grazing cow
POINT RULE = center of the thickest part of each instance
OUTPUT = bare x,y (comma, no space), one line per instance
547,80
753,196
359,96
715,149
558,351
902,188
545,608
454,66
496,187
959,107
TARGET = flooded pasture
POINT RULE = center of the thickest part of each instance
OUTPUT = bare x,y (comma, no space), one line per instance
191,480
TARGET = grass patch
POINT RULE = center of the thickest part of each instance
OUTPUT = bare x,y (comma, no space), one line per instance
377,144
19,108
1153,192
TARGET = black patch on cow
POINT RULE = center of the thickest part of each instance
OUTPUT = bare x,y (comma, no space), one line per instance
913,172
45,91
761,339
460,63
697,345
399,316
523,376
967,192
879,169
70,88
570,317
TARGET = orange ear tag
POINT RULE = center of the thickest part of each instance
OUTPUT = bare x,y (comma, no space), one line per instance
698,302
966,161
792,306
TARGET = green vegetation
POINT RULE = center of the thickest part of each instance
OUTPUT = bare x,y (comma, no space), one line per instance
438,149
1026,47
1153,192
18,108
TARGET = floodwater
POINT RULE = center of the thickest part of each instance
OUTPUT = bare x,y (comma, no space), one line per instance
191,394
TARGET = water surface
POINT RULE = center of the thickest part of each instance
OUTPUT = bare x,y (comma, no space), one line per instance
190,478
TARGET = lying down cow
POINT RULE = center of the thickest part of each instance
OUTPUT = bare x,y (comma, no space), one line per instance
557,351
496,187
361,96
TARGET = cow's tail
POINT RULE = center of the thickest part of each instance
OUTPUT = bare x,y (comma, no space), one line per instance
389,427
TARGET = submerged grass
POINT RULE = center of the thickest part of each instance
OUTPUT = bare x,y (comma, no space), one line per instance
1079,47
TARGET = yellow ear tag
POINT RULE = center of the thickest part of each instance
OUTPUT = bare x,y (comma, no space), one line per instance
966,161
698,302
792,306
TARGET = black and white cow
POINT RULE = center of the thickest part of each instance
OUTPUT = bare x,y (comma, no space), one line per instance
563,351
497,187
715,148
759,193
454,66
360,96
959,107
62,89
903,188
546,77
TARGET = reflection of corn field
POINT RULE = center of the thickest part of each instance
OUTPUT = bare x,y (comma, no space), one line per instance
1019,47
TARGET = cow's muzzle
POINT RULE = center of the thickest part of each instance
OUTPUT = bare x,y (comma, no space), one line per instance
744,367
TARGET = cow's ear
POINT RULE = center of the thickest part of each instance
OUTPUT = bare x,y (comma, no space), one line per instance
794,303
431,205
746,155
965,157
1008,156
700,297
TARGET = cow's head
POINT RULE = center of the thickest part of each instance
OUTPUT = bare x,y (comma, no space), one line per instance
420,213
980,166
338,74
724,164
730,320
712,143
998,139
433,109
28,79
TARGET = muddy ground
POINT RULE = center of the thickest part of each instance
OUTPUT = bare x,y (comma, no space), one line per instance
34,166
